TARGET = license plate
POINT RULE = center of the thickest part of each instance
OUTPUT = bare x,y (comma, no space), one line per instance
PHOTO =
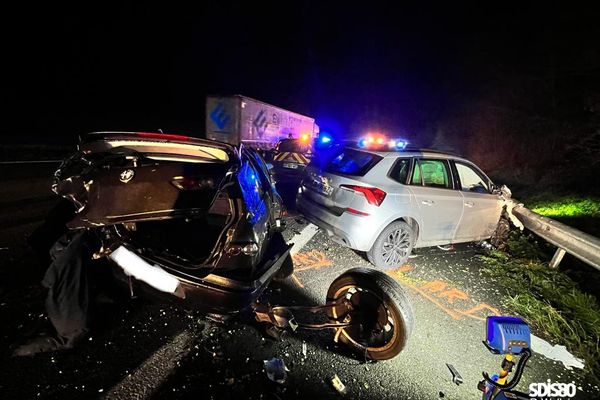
290,165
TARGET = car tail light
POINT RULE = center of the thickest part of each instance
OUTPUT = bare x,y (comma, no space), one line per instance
188,183
373,195
249,249
163,136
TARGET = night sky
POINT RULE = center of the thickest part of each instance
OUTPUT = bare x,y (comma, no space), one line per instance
400,69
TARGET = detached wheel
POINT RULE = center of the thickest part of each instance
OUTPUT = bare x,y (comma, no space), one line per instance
379,310
393,246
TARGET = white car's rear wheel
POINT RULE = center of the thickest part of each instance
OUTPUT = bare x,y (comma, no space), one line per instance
393,246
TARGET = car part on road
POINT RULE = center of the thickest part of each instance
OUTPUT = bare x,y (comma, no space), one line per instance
456,378
367,309
276,370
379,314
393,246
338,385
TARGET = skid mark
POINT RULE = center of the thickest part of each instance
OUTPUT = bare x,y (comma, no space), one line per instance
454,302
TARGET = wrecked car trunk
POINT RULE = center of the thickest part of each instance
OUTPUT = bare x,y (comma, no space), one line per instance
201,211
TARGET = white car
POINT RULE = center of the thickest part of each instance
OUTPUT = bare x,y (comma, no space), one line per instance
386,202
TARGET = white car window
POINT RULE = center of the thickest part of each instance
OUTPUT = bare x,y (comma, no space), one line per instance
431,173
470,180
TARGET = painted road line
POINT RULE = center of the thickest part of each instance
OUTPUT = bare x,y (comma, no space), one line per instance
31,162
302,238
556,353
149,376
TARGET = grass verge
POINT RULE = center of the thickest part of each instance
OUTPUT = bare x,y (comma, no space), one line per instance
565,206
547,299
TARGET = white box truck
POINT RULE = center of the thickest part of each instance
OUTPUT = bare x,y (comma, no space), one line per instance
238,119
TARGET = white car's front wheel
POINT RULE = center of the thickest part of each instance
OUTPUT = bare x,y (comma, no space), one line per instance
393,246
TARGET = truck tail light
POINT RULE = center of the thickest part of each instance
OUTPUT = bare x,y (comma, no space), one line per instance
373,195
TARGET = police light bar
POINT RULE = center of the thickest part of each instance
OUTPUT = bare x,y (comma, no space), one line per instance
380,142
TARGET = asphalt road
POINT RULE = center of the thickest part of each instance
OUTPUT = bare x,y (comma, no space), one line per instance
142,349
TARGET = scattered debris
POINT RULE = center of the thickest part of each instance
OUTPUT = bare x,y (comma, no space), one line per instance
484,244
456,378
338,385
441,394
446,248
304,349
275,369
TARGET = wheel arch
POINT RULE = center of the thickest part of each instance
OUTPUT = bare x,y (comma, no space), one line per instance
411,221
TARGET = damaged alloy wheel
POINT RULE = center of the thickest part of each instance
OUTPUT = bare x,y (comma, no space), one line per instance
378,311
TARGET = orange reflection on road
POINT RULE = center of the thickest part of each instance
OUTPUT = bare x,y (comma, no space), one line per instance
451,300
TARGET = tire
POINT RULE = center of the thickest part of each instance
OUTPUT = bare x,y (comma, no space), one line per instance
379,305
379,255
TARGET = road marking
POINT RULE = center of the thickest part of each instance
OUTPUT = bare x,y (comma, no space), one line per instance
443,295
149,376
31,162
311,260
556,353
302,238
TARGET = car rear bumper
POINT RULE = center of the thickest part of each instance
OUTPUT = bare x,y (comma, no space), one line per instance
355,231
213,293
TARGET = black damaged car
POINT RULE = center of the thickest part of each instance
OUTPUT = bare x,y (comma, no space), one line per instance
194,218
200,221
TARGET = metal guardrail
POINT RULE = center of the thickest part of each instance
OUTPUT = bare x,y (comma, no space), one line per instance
581,245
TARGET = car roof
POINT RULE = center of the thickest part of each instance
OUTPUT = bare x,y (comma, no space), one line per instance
411,152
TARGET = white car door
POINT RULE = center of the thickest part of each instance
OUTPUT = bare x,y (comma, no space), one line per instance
440,205
481,208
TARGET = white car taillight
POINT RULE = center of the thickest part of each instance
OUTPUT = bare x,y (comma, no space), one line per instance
373,195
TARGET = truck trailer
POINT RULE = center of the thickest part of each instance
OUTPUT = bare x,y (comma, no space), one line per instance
239,119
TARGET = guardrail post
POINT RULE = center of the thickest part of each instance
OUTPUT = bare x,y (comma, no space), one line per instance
557,258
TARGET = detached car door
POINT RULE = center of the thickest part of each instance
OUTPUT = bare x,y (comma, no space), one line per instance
440,205
481,208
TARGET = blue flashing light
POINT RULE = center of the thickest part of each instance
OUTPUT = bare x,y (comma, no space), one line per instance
362,142
400,144
325,139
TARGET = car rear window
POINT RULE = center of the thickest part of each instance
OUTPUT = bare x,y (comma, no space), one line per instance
352,162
